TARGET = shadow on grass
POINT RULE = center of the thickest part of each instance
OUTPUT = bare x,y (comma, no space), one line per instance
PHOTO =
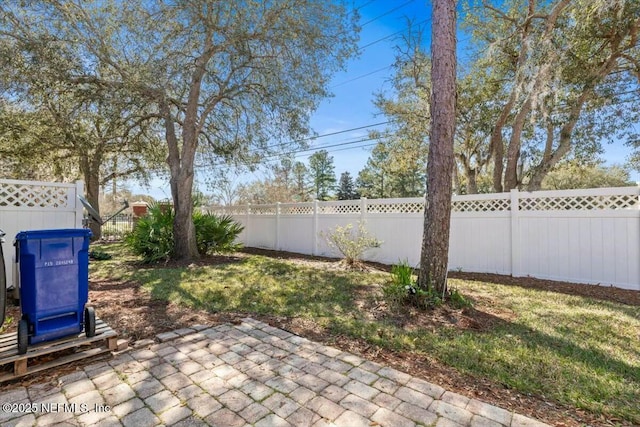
256,285
563,368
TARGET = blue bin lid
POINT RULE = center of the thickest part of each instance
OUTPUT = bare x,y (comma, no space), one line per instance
53,234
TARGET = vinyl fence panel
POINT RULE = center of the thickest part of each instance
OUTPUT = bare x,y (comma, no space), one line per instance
584,236
31,205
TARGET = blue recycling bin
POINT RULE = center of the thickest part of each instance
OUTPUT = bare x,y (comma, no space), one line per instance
54,285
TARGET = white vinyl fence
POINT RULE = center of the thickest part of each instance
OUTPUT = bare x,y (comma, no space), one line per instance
30,205
584,236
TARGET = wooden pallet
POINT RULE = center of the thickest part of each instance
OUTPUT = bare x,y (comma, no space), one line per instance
105,336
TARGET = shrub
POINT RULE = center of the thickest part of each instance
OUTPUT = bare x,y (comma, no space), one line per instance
152,237
457,300
401,290
98,255
424,299
402,274
396,290
216,233
349,243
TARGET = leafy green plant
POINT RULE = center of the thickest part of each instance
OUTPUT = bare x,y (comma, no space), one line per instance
7,323
424,298
396,290
402,289
457,300
350,243
98,255
152,237
402,273
216,233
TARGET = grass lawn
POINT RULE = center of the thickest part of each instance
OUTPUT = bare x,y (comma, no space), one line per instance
578,351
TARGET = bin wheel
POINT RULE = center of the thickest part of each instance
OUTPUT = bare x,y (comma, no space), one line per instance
23,336
89,322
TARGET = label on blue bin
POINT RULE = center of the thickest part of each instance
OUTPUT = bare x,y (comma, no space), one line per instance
58,262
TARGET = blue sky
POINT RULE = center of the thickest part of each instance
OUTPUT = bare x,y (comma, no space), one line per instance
354,89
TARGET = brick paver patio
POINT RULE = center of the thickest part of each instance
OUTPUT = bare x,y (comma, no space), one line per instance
249,374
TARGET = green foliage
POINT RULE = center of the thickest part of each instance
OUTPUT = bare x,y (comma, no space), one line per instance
346,189
98,255
570,175
349,243
7,322
402,289
322,173
402,274
457,300
395,168
210,65
396,290
152,237
216,233
425,298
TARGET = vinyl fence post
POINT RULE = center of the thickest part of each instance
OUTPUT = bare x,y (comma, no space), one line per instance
314,248
246,226
515,234
277,226
79,208
363,209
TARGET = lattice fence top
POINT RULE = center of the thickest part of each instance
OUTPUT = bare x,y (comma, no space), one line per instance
34,196
488,205
396,207
263,210
228,210
350,208
296,209
579,203
581,200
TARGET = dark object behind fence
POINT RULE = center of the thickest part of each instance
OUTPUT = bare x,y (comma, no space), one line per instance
116,227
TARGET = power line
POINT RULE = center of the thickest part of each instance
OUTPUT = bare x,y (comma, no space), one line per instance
361,76
387,13
311,138
324,135
275,160
389,36
365,4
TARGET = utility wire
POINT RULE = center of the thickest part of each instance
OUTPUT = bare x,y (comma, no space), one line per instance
275,160
363,47
365,4
387,13
361,76
324,135
311,138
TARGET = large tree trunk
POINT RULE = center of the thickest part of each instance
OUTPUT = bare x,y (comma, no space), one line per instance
181,182
435,242
183,229
472,180
541,171
551,158
90,169
511,180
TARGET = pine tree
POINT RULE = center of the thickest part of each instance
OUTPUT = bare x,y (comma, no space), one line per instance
346,190
322,173
437,215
